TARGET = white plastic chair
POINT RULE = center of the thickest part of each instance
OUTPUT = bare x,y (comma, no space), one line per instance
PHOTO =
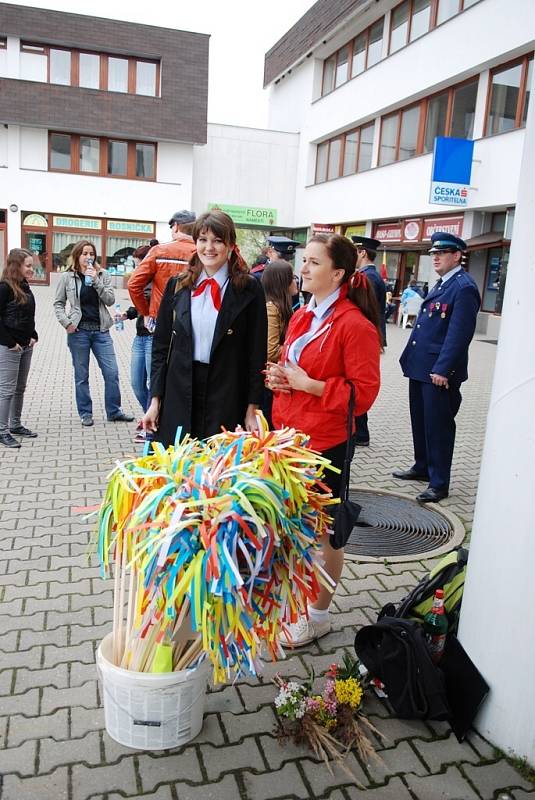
410,309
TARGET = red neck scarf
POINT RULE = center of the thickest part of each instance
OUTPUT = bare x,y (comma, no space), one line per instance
301,325
214,290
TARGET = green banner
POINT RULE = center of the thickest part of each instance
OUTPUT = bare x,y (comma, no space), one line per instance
248,215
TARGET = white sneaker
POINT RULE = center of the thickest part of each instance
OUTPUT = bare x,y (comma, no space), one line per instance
304,631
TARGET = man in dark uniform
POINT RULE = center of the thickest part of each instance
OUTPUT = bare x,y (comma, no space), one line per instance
436,362
366,255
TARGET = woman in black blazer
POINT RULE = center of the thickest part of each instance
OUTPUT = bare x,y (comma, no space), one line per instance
209,346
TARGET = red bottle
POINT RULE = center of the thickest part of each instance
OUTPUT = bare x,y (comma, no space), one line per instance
436,627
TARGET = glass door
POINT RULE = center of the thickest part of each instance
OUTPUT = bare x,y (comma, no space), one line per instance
37,243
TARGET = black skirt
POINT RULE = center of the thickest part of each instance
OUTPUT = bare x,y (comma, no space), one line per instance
198,407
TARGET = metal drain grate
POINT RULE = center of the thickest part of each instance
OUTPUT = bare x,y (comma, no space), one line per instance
397,528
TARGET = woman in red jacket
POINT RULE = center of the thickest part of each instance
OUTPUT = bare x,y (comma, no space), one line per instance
333,341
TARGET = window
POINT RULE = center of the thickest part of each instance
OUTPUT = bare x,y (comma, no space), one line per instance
146,78
341,67
399,27
447,9
420,18
60,66
117,158
389,135
145,160
375,43
437,112
365,148
345,155
408,139
89,155
321,162
464,109
509,96
353,58
117,74
60,152
89,71
450,113
528,85
3,42
335,148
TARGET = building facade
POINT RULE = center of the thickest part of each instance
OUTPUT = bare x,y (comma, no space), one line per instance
98,122
369,85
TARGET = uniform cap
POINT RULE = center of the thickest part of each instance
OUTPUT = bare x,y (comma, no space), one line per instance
366,244
442,241
283,245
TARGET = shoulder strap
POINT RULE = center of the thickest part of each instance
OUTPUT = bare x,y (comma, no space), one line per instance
346,471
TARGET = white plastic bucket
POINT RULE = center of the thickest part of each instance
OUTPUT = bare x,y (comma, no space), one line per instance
151,711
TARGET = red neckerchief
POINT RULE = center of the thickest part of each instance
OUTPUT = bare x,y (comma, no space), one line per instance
302,324
215,291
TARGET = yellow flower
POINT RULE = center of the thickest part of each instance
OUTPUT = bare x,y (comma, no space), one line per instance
348,691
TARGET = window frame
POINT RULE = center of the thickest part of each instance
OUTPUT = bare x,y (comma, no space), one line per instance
419,135
524,62
40,49
350,44
103,157
342,137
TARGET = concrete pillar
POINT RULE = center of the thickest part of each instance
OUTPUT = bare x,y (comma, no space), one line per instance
498,613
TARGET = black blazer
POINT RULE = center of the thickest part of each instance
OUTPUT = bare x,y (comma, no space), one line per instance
237,358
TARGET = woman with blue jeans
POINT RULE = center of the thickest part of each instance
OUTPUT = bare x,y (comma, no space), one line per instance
89,292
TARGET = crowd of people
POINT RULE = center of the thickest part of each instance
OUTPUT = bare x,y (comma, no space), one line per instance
216,342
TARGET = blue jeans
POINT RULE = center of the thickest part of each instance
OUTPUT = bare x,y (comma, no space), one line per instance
140,369
81,344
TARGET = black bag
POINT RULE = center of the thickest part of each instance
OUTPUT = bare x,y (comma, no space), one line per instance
395,651
347,513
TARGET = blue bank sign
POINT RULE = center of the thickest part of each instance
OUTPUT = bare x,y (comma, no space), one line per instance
452,170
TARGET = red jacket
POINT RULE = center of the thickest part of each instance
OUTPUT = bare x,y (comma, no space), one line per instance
162,262
348,350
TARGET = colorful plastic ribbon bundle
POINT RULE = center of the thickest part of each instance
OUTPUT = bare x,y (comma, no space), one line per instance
216,548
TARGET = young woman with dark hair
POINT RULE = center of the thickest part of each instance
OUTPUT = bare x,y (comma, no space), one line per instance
17,339
88,290
209,346
278,283
331,343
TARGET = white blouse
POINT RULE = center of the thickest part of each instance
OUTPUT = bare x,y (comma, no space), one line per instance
204,315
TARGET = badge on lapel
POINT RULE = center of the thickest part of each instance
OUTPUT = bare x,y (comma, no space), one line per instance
443,308
230,332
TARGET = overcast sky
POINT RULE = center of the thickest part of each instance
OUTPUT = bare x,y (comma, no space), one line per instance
241,32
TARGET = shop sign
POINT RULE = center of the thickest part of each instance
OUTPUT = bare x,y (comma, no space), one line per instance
411,230
389,232
125,226
37,220
247,215
451,172
452,225
321,227
77,222
355,230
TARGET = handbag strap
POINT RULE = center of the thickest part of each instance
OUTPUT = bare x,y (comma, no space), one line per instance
344,490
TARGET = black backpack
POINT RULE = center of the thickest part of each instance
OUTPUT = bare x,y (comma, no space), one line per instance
394,650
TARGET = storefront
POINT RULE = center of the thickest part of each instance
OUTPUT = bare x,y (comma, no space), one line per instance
406,243
50,237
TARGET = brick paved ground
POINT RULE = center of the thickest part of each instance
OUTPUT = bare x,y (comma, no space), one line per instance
56,609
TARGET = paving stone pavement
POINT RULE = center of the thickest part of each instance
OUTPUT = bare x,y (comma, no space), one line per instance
55,610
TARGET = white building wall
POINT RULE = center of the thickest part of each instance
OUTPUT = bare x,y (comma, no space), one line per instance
26,183
291,97
246,167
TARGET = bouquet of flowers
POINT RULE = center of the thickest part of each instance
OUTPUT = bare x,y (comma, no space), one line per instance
331,723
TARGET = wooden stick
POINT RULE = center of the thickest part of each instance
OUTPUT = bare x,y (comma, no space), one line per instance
191,653
116,586
121,637
132,596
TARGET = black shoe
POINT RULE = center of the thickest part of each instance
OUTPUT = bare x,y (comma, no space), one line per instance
122,417
87,421
362,442
431,495
22,431
409,475
8,440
